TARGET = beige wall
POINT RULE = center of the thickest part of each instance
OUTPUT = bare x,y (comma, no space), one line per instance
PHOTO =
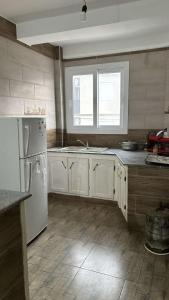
26,81
148,86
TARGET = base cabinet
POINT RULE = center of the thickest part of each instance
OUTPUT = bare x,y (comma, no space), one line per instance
78,176
102,178
96,176
58,174
121,187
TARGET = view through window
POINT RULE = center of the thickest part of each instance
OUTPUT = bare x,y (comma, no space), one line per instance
97,98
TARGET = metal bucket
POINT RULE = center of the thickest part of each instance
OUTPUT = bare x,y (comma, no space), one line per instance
157,231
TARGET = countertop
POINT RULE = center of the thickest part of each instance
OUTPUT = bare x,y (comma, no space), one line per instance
9,199
129,158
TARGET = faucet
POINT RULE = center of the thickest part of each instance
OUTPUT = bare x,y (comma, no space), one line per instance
86,145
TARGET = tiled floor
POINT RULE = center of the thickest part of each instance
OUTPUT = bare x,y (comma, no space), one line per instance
87,253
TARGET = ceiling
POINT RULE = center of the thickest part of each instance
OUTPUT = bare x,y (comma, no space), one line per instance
29,9
112,26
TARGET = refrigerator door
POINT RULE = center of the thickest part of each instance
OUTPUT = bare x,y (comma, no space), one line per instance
32,136
36,211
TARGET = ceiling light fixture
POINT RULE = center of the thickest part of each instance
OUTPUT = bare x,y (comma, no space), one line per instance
84,12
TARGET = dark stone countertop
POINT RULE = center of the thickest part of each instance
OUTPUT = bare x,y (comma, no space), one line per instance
128,158
9,199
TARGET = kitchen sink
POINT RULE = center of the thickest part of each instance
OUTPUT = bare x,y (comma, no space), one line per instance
83,149
93,149
72,149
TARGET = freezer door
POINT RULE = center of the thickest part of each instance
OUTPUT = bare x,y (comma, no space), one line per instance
36,208
32,136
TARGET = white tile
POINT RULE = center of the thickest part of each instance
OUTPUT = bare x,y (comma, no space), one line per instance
3,45
49,79
32,75
4,87
29,57
44,92
21,89
11,106
9,69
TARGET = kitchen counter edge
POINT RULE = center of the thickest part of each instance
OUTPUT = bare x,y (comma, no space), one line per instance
9,199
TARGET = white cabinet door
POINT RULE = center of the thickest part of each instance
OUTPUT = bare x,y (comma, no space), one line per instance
102,178
117,183
78,176
58,174
123,192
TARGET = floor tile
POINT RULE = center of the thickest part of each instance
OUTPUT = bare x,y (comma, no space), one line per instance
88,253
88,285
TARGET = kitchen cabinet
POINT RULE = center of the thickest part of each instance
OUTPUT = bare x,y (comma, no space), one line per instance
102,178
117,182
96,176
58,174
78,176
121,187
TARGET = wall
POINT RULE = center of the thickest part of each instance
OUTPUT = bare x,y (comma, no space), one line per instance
141,200
26,83
148,93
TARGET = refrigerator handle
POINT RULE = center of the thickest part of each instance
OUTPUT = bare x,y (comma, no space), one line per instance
27,134
29,177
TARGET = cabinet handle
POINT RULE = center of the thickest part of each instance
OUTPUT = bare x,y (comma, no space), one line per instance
63,164
95,167
124,207
71,165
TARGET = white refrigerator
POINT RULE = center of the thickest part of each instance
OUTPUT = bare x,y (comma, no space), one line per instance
23,167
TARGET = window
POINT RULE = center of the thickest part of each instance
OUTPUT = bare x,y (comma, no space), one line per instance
97,98
83,100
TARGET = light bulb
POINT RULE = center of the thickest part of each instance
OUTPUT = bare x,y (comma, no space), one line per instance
84,12
83,16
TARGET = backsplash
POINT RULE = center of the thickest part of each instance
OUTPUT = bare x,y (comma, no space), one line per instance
103,140
27,84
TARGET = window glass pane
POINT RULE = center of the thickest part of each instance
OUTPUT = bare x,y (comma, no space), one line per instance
109,91
83,100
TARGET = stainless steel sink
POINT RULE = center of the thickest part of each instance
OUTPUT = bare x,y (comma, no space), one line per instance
78,149
72,149
93,149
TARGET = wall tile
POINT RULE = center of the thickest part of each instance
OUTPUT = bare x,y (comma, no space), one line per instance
3,45
44,92
154,106
148,76
154,121
11,106
4,87
157,59
21,89
49,79
20,69
136,121
148,85
9,69
27,57
137,92
32,75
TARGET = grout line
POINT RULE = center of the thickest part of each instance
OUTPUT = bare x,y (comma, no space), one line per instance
103,274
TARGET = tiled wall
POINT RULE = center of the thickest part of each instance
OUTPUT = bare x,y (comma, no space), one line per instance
148,86
26,82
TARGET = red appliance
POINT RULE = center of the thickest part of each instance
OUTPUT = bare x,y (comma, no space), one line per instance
158,144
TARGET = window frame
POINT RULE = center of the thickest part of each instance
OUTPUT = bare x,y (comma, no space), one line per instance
123,68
